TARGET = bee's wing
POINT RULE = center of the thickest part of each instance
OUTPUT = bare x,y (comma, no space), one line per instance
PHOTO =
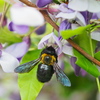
27,67
61,77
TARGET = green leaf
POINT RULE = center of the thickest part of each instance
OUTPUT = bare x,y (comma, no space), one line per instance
86,64
83,40
1,5
69,33
88,45
97,55
28,83
7,36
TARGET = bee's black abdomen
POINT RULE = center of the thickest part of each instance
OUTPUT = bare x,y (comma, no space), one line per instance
44,72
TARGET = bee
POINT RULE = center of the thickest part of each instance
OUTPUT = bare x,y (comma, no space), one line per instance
47,66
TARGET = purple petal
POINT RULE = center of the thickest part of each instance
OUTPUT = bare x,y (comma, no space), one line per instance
83,72
65,25
10,26
87,16
19,49
98,15
0,53
21,29
78,70
76,67
94,16
41,30
42,3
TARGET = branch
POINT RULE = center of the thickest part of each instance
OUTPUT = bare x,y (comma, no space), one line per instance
49,20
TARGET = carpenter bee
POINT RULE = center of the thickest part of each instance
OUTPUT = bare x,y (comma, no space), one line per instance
46,67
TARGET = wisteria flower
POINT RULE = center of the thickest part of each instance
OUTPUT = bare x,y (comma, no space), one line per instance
19,49
64,25
61,47
85,5
78,70
70,14
52,39
7,61
49,39
23,15
21,29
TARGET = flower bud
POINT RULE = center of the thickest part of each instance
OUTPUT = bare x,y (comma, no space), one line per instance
53,8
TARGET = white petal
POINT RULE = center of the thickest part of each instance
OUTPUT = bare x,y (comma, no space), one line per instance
74,26
68,50
78,5
66,15
17,49
8,62
95,35
56,39
81,19
41,45
26,16
94,6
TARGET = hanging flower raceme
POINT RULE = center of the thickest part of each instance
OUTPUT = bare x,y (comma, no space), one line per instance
85,5
7,61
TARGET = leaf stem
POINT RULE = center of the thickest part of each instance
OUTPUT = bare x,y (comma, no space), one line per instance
5,8
92,53
98,84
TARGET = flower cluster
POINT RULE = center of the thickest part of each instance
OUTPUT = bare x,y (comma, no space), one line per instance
70,14
73,15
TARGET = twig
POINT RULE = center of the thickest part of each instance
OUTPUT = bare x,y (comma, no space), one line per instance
49,20
4,13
